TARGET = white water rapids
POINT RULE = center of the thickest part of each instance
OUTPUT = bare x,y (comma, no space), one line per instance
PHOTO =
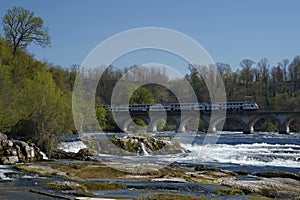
257,154
260,149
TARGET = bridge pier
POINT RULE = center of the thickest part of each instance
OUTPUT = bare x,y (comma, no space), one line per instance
248,130
180,129
124,128
284,129
152,129
212,129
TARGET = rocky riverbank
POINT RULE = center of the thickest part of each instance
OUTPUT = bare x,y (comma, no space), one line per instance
14,151
99,179
75,175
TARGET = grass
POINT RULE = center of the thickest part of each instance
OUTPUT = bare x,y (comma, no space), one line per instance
88,170
230,191
168,196
85,187
96,186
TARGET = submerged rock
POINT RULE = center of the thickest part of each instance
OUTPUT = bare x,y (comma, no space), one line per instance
279,175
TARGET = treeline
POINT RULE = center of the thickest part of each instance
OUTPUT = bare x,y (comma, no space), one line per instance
35,98
272,87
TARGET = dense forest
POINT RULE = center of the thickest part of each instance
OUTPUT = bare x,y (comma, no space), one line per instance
36,97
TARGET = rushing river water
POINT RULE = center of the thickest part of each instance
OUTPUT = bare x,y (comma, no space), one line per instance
258,152
235,151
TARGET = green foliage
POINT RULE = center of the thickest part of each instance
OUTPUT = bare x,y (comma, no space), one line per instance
139,122
229,191
141,96
97,186
34,106
170,196
101,116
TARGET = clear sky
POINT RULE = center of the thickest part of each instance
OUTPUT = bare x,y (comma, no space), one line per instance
230,30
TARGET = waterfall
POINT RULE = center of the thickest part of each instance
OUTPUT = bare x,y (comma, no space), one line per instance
144,149
44,155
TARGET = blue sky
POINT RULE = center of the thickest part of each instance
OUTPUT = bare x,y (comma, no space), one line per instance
229,30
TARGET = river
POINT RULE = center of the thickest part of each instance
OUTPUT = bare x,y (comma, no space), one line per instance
258,152
234,151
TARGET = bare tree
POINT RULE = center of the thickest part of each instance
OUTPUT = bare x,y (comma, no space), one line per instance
21,28
284,64
263,67
246,73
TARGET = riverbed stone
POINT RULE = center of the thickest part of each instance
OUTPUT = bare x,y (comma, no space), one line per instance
3,137
12,151
10,143
25,148
9,160
141,145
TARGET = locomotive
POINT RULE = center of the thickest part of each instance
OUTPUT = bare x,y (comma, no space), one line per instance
178,107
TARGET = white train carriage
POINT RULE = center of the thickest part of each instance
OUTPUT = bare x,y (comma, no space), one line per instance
176,107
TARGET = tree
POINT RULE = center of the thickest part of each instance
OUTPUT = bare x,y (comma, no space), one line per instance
284,64
246,73
44,111
141,96
21,28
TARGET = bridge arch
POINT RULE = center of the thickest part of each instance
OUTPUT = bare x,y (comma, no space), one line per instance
291,119
251,125
126,122
281,120
213,126
233,119
280,123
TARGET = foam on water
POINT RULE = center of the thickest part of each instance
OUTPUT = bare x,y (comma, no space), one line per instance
144,149
72,146
257,154
44,155
3,170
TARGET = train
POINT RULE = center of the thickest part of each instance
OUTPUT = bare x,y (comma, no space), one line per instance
178,107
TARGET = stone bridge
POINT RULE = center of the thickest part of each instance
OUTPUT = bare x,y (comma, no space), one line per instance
248,119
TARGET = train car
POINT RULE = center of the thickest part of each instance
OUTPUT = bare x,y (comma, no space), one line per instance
177,107
241,106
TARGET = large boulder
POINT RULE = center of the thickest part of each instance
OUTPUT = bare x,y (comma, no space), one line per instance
12,151
3,137
9,160
147,145
26,150
82,154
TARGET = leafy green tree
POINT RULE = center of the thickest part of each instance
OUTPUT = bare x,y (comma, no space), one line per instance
141,96
21,28
102,118
44,111
8,97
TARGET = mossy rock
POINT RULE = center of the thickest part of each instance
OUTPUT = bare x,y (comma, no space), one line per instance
230,191
97,186
169,196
